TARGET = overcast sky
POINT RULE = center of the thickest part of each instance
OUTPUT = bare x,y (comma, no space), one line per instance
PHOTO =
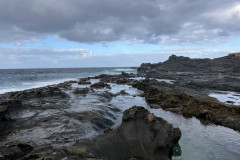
100,33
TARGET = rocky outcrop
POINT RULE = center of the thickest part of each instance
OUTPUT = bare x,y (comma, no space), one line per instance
5,107
100,85
186,64
122,92
42,92
189,106
14,150
141,136
84,81
122,78
217,74
81,90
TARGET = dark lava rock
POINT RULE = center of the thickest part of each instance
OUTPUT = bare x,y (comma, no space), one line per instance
141,135
217,74
84,81
6,106
122,92
42,92
183,64
106,96
3,108
81,90
122,78
100,85
155,106
14,150
66,84
187,105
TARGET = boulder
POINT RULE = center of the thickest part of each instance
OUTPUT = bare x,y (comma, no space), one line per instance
155,106
100,85
141,135
3,108
81,90
14,150
84,81
122,92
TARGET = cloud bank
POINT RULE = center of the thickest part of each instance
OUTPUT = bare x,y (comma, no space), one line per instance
74,58
137,21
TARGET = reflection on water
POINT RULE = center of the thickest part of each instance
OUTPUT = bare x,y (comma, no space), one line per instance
199,141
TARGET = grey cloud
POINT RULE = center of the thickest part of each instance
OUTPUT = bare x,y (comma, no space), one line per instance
111,20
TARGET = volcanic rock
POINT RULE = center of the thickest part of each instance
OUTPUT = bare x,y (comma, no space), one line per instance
81,90
141,135
100,85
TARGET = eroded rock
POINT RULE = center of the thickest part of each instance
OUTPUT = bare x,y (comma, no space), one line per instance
141,135
81,90
100,85
187,105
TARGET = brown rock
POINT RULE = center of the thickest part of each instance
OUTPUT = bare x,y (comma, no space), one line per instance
3,108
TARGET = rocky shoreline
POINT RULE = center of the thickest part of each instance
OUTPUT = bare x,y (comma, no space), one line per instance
62,121
189,106
76,119
140,136
193,80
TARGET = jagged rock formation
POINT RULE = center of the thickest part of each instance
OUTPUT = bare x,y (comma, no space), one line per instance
217,74
141,135
194,79
189,106
227,64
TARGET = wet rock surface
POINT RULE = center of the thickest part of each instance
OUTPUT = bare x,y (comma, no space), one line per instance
141,135
100,85
187,105
59,116
55,114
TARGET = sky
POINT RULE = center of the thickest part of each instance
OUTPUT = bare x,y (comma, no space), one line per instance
113,33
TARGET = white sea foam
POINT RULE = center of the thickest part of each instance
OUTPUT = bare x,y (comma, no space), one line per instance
30,85
124,70
165,80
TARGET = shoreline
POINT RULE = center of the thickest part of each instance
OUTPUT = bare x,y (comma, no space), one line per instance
66,74
153,84
96,92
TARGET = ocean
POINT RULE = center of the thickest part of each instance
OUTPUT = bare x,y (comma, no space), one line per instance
21,79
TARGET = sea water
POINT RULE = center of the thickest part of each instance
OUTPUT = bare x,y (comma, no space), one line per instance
21,79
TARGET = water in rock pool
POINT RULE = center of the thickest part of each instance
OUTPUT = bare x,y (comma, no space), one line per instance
198,141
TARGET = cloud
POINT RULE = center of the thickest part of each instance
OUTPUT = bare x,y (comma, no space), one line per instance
132,21
48,58
43,58
225,18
